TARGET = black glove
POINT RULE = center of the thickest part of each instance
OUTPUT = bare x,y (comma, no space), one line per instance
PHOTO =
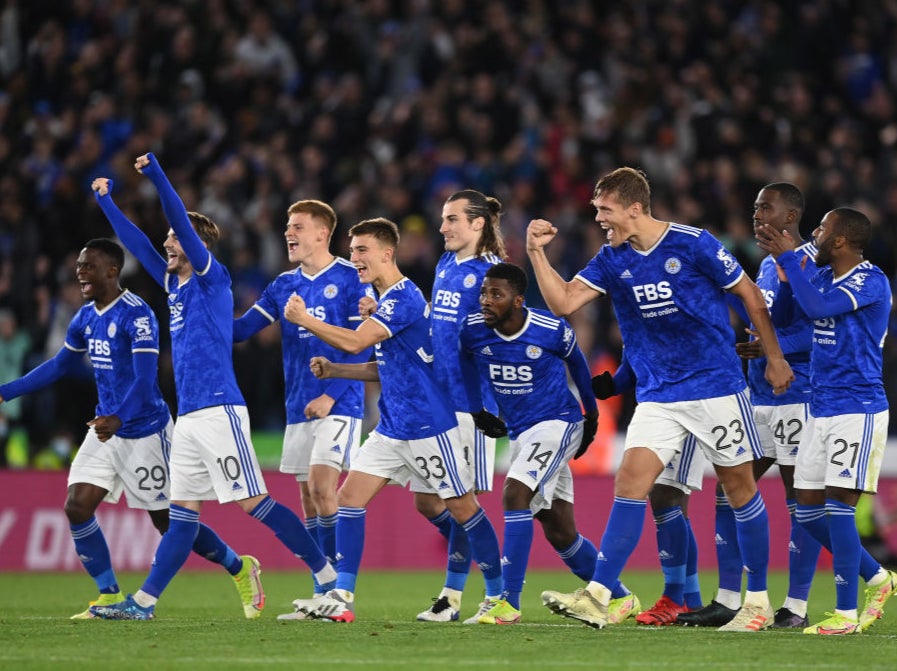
603,385
489,424
589,429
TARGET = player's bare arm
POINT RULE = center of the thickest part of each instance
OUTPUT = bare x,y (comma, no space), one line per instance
778,372
368,334
323,368
561,297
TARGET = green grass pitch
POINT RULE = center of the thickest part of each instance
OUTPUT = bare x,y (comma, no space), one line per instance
199,626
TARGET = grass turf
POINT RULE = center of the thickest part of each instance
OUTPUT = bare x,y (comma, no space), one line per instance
200,626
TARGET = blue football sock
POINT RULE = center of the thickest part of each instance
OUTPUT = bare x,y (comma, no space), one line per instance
845,552
326,539
484,548
621,535
728,555
173,550
312,527
209,545
803,553
815,521
619,590
692,584
458,566
752,526
326,536
93,551
672,548
518,540
580,556
443,523
290,531
350,527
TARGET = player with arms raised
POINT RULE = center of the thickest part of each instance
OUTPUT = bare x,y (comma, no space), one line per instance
667,282
127,445
212,454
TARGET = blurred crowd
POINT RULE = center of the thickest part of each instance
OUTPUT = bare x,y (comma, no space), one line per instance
383,108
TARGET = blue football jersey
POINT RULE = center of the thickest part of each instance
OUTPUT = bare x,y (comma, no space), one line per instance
202,353
795,339
332,296
526,370
847,348
456,293
412,405
672,313
111,337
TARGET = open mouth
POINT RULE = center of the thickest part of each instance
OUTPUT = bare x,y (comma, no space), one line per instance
86,287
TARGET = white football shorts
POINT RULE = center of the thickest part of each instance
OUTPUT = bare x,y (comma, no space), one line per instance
685,471
326,441
212,456
540,460
723,426
479,456
437,461
136,466
780,428
843,451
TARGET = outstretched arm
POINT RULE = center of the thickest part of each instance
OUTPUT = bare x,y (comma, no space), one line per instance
562,298
48,372
249,324
173,207
131,237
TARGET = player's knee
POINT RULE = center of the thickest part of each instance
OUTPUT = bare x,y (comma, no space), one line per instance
516,495
159,519
462,508
77,510
560,536
632,485
665,496
428,505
